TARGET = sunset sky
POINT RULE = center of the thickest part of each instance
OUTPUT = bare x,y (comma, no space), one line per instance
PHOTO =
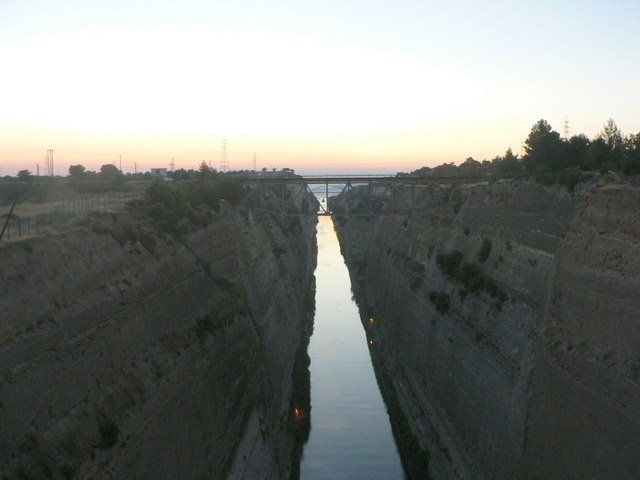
315,86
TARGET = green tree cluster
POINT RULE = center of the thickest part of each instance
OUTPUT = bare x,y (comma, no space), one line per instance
177,208
470,276
551,159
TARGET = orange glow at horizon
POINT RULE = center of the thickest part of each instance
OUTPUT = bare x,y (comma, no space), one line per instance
306,103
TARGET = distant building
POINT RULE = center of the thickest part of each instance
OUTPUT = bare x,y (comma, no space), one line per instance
159,172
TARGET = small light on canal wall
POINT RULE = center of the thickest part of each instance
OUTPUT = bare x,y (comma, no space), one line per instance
372,320
371,342
299,413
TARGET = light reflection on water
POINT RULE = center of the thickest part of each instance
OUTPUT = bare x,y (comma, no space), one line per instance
350,432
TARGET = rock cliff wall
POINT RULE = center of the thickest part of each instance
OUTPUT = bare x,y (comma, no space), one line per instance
505,320
127,353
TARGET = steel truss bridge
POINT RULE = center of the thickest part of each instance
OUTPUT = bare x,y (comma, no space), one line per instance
364,191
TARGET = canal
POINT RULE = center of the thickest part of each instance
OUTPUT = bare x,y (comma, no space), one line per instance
351,435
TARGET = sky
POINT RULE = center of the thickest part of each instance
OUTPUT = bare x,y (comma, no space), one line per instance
332,86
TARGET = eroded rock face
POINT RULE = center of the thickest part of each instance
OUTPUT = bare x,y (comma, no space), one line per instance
520,363
584,415
126,353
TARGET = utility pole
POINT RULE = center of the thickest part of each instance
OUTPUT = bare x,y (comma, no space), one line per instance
566,128
224,161
173,165
254,161
50,162
38,169
120,162
135,167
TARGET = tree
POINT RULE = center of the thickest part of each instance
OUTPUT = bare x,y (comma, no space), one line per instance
205,170
111,173
445,170
598,155
24,175
471,167
543,149
612,138
577,148
631,155
507,165
77,171
182,174
611,134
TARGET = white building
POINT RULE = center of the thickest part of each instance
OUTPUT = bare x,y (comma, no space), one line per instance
160,172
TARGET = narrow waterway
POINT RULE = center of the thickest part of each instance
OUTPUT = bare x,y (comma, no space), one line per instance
350,431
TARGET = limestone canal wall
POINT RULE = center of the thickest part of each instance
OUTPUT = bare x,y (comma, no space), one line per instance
129,353
506,325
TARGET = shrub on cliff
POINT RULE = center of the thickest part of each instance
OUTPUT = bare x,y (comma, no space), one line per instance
449,263
440,300
471,277
230,191
453,266
169,207
205,193
176,207
109,432
485,250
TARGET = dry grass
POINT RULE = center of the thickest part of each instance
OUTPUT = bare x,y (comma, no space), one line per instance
62,213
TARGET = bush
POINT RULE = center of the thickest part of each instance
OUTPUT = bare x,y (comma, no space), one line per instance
169,207
571,178
491,287
204,327
230,191
108,432
205,193
174,207
485,250
473,280
471,277
457,201
449,263
440,300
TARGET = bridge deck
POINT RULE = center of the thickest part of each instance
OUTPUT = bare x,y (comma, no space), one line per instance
353,179
287,199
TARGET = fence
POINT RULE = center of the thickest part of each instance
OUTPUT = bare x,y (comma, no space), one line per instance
33,218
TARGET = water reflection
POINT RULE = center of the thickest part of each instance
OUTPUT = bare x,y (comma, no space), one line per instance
350,432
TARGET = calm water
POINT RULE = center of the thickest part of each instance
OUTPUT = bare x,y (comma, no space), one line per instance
350,432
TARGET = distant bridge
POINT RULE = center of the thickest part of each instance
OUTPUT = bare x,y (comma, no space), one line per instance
290,190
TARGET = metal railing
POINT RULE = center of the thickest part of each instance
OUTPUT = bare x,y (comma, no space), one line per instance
28,218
